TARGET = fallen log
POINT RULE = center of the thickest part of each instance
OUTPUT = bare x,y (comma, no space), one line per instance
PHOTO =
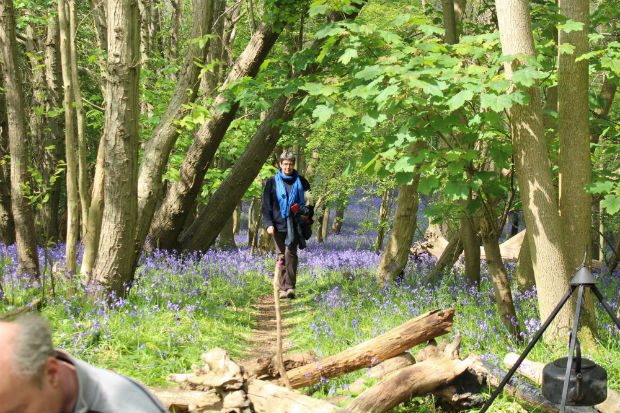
269,398
408,382
179,401
264,368
380,371
520,390
371,352
10,315
533,371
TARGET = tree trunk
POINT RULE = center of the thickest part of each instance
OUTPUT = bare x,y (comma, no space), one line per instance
384,214
268,398
447,260
7,225
368,353
55,125
28,261
471,249
319,225
114,266
181,196
157,150
211,218
145,23
254,218
396,254
538,195
175,27
338,219
100,19
325,223
449,21
71,142
574,164
83,179
524,272
95,214
237,218
227,235
503,296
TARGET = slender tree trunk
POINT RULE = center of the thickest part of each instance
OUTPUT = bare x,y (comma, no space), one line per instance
7,225
114,266
538,195
396,254
237,219
449,21
338,219
384,214
95,214
55,124
100,19
175,27
254,218
28,261
471,248
447,259
145,23
156,41
83,180
503,296
162,141
71,142
524,271
325,223
168,222
319,225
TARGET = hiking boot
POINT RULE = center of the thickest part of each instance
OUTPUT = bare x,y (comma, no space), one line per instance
290,293
283,294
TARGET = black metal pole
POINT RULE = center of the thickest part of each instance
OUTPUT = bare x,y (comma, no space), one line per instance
527,350
571,350
605,306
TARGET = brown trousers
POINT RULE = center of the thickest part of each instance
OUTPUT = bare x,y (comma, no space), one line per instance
286,261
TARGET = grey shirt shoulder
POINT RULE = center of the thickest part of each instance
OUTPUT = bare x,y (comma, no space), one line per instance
103,391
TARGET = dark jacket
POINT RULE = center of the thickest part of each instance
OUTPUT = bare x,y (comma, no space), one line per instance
271,206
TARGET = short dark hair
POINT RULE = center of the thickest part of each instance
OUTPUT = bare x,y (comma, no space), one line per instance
287,156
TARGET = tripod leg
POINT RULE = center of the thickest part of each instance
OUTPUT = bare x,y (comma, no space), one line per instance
571,350
601,299
527,350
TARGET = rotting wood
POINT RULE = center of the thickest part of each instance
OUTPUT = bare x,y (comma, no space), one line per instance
264,368
408,382
269,398
532,370
371,352
381,371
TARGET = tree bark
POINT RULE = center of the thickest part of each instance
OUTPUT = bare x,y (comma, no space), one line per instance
179,200
396,254
384,214
227,235
449,21
471,249
524,270
7,225
157,150
83,179
383,347
325,223
95,214
254,218
100,19
71,142
28,261
503,296
237,219
114,266
449,256
175,27
269,398
538,194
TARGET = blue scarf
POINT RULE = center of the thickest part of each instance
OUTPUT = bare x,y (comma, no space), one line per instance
296,196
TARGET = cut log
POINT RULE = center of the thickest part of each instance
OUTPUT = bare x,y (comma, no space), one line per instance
179,401
371,352
268,398
533,371
522,391
381,371
416,380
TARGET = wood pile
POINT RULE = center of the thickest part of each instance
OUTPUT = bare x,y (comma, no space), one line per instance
393,376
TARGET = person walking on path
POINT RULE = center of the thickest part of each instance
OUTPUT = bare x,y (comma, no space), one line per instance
283,195
38,379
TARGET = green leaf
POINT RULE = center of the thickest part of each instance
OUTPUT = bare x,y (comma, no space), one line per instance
389,91
601,187
456,190
319,89
391,38
318,10
428,184
566,48
347,56
497,103
322,113
611,204
369,72
570,26
589,55
401,19
527,76
404,164
459,99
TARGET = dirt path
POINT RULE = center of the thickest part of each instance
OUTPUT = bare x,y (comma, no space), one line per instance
263,340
